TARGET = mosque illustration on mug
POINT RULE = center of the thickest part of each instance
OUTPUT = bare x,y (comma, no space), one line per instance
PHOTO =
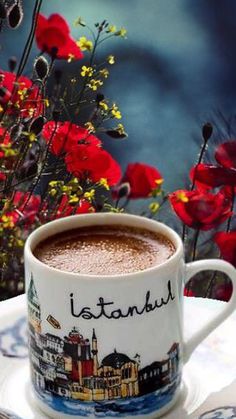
69,367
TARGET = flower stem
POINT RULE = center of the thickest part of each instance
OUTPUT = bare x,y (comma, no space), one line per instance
196,237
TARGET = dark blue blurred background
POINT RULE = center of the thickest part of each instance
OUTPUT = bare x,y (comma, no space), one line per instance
176,69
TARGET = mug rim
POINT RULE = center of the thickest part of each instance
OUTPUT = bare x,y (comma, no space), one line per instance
67,223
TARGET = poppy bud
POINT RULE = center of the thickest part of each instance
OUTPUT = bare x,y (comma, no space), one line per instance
41,67
3,10
37,124
124,190
12,63
207,131
15,15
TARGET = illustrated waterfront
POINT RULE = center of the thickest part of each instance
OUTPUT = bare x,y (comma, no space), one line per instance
68,374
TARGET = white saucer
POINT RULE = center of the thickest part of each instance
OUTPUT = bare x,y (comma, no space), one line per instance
211,368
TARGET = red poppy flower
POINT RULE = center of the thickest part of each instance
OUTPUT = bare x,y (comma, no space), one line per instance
21,96
92,161
53,36
143,179
64,135
200,210
26,206
227,245
224,174
64,209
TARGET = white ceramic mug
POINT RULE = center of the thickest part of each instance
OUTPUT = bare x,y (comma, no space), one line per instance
111,346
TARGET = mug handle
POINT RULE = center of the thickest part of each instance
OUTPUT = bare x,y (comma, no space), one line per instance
203,265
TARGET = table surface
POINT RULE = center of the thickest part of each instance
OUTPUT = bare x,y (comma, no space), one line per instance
210,375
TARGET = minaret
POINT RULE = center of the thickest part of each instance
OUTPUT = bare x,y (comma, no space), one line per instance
95,354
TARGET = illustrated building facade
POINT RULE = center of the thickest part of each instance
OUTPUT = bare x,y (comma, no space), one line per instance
70,367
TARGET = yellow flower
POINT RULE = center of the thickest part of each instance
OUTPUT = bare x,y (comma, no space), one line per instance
95,84
181,196
103,105
154,207
53,192
73,199
111,29
84,44
7,221
53,183
66,189
116,112
86,71
111,59
90,195
46,102
121,129
22,93
122,33
90,127
19,243
103,182
104,73
32,137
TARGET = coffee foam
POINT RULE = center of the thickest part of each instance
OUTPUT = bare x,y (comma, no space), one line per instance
105,250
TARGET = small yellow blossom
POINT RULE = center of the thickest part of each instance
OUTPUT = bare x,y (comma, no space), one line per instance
90,127
46,102
121,129
95,84
70,58
111,29
154,207
104,73
103,105
103,182
32,137
181,196
73,199
84,44
122,33
86,71
90,195
53,192
111,59
116,112
66,189
53,183
19,242
7,221
22,93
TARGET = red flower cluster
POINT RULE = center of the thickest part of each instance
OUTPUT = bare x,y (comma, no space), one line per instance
84,156
143,179
53,36
63,136
201,210
20,96
25,208
213,176
65,208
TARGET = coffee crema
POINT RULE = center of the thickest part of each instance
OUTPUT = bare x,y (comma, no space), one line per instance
105,250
